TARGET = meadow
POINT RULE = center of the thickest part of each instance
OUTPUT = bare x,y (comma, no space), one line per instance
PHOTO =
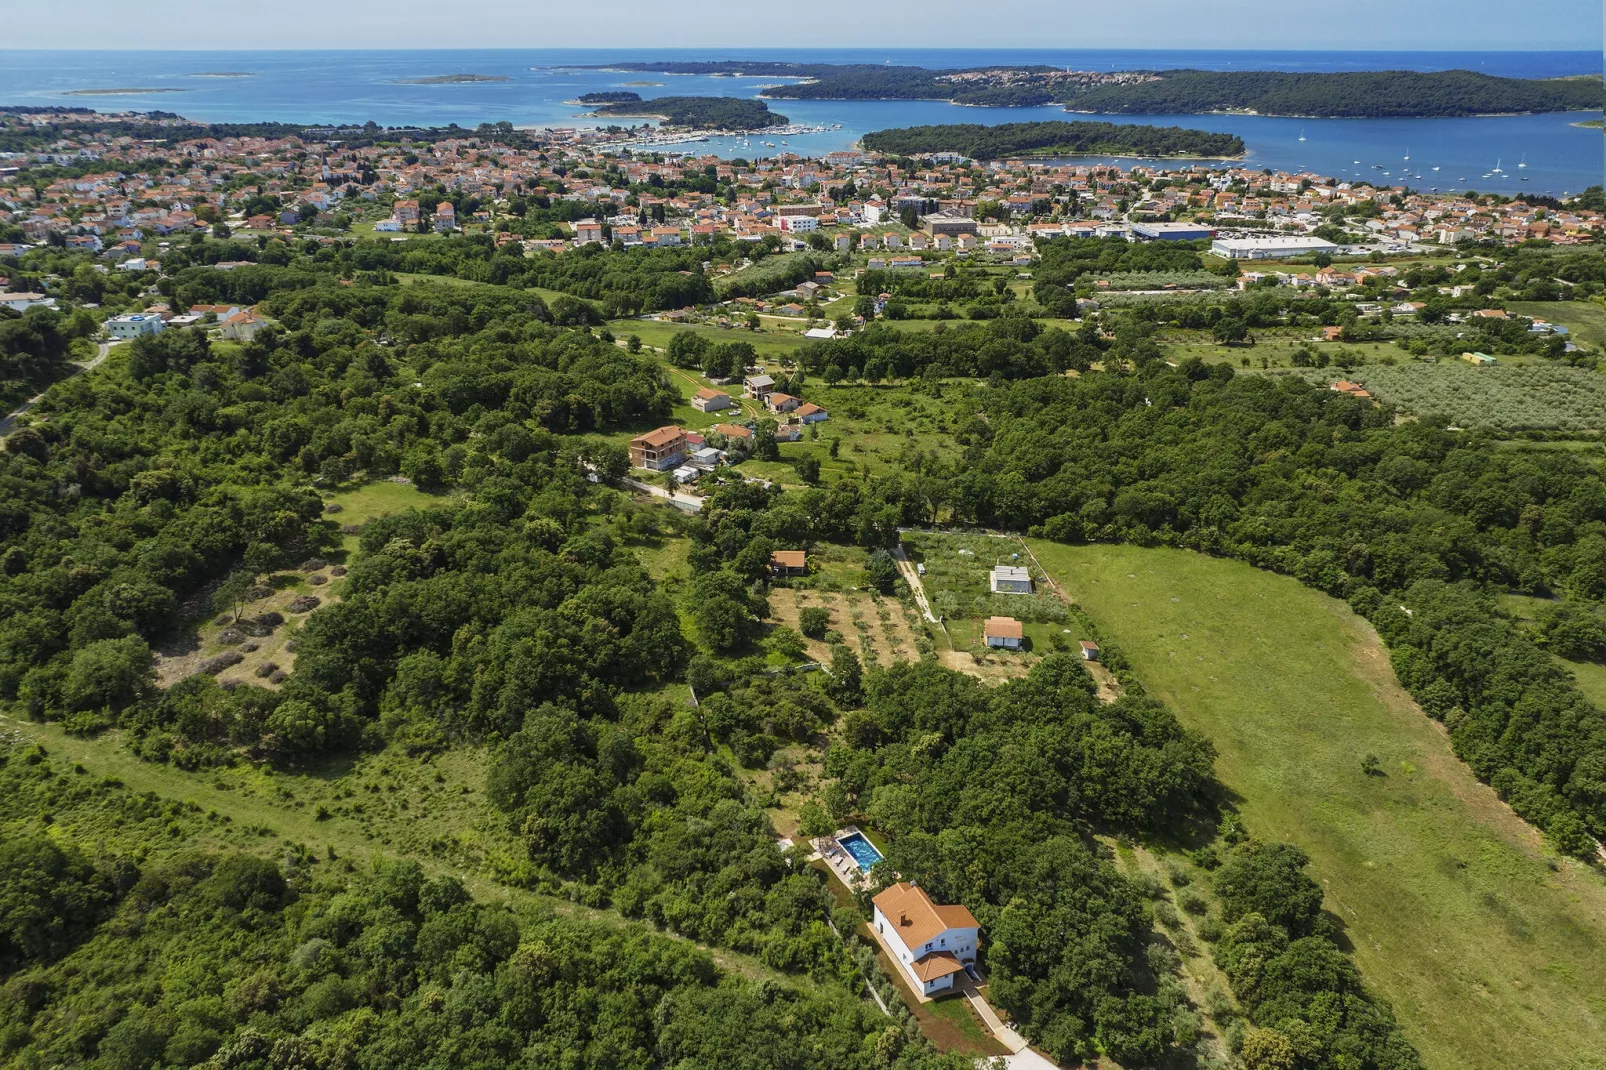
1490,948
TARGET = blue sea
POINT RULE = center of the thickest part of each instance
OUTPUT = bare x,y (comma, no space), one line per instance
1534,153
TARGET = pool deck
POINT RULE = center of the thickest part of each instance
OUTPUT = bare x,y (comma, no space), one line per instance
842,865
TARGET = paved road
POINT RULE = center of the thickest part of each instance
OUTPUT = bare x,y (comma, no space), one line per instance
10,420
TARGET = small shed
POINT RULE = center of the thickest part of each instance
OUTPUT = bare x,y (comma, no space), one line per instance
788,563
1090,651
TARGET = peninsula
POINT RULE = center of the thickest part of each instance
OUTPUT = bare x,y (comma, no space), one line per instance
1056,139
726,113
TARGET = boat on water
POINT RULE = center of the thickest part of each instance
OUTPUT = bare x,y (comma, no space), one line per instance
1302,133
1523,162
1407,154
1497,170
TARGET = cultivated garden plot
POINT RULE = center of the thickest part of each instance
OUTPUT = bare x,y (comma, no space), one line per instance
877,629
1499,398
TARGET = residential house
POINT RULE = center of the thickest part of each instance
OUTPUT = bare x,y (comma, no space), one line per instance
1011,579
135,324
1354,390
788,563
710,400
241,327
932,944
779,402
586,231
809,413
737,437
658,450
759,386
445,216
21,302
1004,632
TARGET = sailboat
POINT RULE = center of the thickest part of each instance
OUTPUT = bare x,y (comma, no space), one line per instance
1435,168
1407,153
1497,170
1302,133
1524,162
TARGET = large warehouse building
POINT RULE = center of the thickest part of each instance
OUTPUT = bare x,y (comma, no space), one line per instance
1270,248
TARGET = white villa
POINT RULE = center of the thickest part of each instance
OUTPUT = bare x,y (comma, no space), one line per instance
931,943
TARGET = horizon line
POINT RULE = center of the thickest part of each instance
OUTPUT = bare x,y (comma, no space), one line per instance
836,48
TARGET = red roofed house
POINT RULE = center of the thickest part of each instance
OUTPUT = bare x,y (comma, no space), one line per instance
658,449
710,400
1354,390
931,943
1003,632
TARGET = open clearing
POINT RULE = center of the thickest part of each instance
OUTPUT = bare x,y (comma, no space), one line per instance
1489,956
263,647
875,628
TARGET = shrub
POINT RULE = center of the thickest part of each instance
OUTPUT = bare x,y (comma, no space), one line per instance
813,621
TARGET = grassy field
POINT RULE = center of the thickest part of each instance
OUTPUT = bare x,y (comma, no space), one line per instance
1491,950
1585,319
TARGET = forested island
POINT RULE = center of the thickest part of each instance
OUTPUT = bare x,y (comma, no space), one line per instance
726,113
612,96
1357,94
1055,138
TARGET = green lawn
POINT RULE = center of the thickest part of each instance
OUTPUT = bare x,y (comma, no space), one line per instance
1490,957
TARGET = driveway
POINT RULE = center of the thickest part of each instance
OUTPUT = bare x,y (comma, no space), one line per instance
911,576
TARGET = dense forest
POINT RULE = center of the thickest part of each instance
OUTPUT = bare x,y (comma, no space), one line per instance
1054,138
1353,94
724,113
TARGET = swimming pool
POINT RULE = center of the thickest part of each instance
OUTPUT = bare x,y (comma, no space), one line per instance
862,850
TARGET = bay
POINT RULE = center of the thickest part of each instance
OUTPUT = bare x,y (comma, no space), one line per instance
355,86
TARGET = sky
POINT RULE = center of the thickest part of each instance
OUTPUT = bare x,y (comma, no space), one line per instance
1237,24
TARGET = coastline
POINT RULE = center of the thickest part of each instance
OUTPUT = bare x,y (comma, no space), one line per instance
1146,114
